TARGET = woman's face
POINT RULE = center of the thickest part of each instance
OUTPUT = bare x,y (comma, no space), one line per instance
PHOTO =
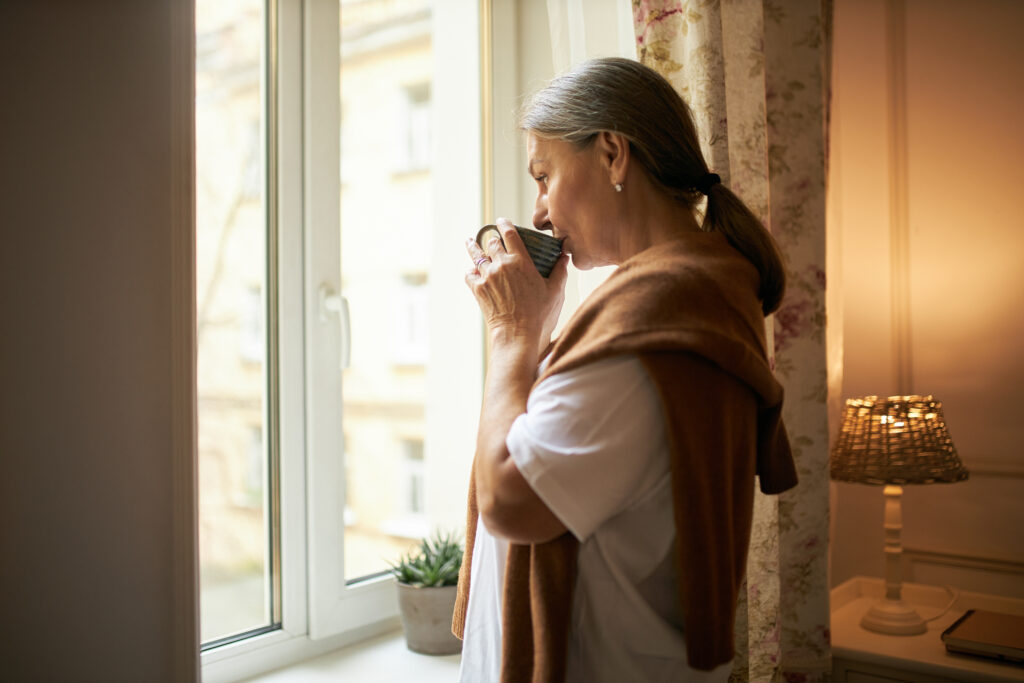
573,199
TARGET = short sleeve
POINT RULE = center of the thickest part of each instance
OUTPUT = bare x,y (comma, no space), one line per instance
592,442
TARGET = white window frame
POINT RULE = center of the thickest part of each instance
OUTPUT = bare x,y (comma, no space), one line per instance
319,611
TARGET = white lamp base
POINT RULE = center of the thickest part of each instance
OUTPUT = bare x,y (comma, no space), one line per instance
893,617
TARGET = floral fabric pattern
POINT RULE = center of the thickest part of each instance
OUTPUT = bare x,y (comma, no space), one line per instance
755,74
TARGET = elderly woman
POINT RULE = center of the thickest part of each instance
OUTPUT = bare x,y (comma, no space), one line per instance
612,489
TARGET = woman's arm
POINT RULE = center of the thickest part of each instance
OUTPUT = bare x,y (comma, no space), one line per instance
507,503
519,307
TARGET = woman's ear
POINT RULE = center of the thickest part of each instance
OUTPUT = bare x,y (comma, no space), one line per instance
614,154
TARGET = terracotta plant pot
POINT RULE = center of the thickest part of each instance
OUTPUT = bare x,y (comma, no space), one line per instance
427,619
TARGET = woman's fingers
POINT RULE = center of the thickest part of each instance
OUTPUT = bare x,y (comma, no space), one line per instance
497,248
494,247
473,249
477,254
513,242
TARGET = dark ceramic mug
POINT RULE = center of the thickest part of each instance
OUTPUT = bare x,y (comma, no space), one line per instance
544,249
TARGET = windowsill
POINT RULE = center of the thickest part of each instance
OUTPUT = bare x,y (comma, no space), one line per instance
382,658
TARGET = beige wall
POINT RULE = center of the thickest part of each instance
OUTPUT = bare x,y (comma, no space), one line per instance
88,561
965,267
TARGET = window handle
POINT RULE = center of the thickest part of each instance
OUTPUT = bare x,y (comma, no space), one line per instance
332,303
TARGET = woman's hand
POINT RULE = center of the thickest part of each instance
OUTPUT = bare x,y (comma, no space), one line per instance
517,303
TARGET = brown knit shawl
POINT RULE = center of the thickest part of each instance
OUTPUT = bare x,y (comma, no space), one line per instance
688,309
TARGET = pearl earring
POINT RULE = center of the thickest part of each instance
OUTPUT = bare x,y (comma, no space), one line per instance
618,187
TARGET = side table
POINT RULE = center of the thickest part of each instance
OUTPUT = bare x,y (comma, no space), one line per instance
862,656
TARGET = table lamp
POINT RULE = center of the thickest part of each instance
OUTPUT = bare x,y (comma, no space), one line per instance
893,442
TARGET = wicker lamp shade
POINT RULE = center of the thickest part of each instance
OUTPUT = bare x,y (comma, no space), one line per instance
897,440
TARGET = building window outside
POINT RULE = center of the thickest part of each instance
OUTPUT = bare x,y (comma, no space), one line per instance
252,331
413,142
253,488
410,337
413,479
409,518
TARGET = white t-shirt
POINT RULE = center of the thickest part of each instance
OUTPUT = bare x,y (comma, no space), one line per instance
592,445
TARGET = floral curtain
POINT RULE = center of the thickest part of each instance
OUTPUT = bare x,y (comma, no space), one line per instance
756,75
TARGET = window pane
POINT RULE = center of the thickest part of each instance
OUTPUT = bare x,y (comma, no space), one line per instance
386,238
231,323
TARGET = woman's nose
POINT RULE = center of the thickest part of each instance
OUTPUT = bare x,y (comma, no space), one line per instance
540,215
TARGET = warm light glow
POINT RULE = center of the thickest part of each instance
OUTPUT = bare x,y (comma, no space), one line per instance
890,441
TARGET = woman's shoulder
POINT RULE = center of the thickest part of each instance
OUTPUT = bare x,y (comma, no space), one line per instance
690,256
695,274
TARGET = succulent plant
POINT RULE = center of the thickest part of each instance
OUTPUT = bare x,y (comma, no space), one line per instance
435,563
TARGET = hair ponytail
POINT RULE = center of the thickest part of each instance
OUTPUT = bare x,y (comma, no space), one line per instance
624,96
726,213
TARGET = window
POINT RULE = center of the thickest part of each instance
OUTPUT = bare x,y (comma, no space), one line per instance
252,330
341,358
413,477
402,465
410,345
408,515
413,142
236,555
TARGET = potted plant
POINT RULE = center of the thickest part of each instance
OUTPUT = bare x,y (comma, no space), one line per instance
426,579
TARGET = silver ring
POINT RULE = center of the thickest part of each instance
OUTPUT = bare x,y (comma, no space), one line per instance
481,260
